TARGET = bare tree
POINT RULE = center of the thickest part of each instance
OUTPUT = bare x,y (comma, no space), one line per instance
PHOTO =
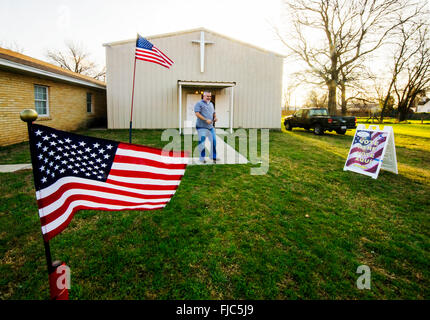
403,51
330,36
410,65
350,79
288,93
14,46
316,100
100,74
75,58
416,74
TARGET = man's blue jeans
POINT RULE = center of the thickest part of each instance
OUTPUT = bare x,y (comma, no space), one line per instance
203,133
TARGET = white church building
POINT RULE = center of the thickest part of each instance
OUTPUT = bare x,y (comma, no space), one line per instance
245,81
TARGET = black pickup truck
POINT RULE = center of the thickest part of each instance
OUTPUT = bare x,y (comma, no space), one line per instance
319,120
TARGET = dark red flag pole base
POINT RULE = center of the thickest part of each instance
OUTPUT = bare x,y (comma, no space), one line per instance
58,287
29,116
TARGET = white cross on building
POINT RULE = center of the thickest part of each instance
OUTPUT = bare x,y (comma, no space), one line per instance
202,49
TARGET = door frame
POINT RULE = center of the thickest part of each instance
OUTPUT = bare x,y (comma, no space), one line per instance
209,85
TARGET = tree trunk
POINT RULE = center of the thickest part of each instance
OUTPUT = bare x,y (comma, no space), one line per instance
384,107
381,118
332,97
406,106
343,96
403,111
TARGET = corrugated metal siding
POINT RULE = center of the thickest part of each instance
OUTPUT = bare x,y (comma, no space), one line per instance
258,77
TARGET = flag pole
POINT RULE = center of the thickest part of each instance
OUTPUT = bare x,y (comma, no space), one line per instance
132,99
28,116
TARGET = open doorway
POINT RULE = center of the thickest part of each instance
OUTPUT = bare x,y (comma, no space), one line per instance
191,92
192,99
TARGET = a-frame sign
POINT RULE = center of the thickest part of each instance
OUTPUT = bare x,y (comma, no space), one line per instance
371,150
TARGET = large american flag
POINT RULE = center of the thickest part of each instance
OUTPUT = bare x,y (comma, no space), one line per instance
366,150
74,172
146,51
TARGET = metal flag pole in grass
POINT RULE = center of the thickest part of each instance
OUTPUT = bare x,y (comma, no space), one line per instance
57,292
146,51
132,100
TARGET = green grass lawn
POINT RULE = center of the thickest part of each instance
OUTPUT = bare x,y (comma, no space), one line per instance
227,234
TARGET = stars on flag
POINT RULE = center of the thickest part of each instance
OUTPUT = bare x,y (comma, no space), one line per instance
54,163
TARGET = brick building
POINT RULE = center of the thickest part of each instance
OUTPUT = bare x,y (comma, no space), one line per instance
63,99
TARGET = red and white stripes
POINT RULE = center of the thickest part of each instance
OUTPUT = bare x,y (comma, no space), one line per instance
140,178
154,55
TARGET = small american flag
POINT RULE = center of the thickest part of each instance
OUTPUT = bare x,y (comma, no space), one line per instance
146,51
74,172
366,150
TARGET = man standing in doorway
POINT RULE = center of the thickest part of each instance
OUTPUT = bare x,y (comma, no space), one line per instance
206,117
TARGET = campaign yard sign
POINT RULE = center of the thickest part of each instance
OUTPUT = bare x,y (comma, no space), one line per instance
371,150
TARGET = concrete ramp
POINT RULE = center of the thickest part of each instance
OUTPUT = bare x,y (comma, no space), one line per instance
14,167
225,152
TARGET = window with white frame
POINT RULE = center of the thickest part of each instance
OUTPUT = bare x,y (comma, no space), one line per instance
41,100
89,102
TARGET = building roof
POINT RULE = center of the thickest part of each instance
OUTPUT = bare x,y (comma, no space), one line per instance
190,31
13,60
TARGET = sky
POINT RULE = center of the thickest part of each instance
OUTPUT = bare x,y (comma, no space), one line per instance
33,27
36,26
